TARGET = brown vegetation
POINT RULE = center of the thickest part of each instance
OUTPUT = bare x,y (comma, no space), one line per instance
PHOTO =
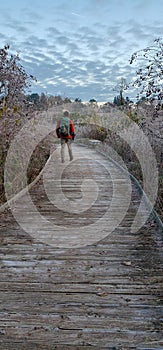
149,121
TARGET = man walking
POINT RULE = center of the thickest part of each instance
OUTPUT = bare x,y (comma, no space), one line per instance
66,132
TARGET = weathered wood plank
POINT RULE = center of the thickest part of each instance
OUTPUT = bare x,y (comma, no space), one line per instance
106,295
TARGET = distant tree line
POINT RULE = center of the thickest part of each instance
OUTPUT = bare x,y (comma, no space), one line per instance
14,82
43,101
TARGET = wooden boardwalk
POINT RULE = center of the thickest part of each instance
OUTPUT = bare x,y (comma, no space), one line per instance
93,286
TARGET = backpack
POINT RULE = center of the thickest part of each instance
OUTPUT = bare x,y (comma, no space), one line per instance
64,128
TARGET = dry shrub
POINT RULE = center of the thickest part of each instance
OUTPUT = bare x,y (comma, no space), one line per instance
39,157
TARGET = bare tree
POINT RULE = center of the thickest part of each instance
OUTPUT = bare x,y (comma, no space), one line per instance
13,80
150,75
120,87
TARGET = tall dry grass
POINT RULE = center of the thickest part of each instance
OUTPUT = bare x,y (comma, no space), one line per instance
91,122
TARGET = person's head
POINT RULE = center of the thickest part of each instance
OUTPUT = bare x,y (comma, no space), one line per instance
66,113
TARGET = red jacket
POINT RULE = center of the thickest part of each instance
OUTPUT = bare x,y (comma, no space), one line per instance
72,131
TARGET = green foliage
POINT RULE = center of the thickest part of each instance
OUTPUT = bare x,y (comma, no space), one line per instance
78,99
34,98
120,87
134,116
119,100
92,100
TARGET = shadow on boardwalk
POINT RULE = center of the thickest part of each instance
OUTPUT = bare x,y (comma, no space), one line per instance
102,291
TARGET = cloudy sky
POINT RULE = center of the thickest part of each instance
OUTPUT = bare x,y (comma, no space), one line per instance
79,48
